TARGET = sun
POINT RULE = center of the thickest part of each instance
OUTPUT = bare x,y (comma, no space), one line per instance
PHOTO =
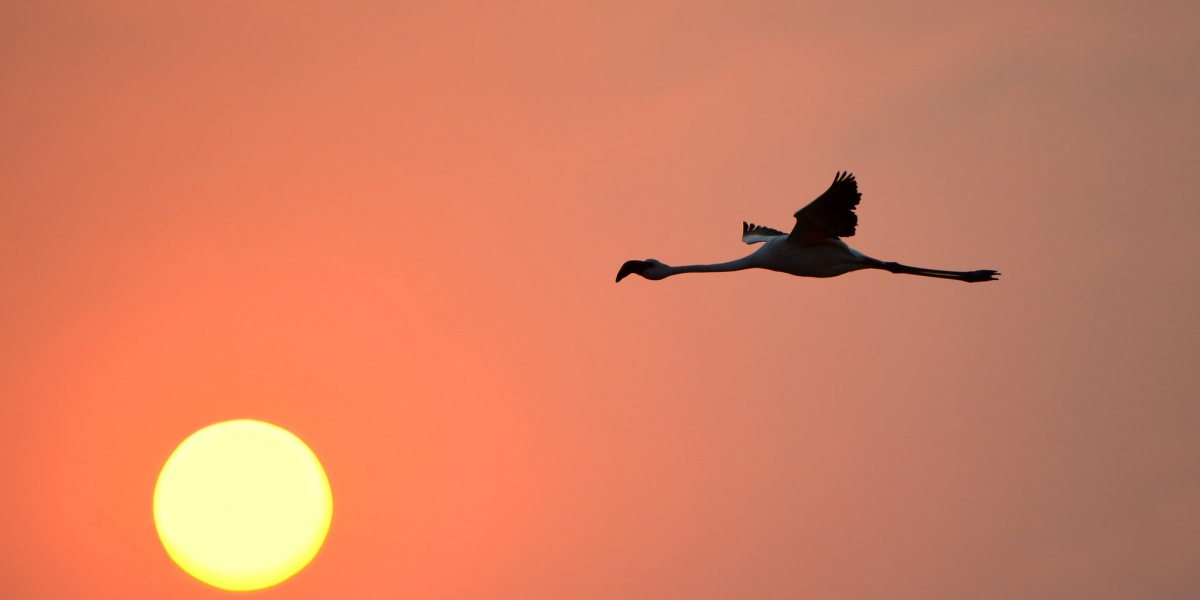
242,505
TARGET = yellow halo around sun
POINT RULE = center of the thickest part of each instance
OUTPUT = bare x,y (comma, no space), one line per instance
242,505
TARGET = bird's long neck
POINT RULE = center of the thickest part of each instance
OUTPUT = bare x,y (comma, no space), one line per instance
733,265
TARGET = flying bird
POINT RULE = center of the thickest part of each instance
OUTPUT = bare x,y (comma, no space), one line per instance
813,249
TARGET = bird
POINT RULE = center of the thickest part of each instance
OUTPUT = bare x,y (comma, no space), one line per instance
814,247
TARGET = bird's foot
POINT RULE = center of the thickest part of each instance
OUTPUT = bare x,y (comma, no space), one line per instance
981,275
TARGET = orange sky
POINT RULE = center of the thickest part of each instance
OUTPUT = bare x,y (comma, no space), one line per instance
393,228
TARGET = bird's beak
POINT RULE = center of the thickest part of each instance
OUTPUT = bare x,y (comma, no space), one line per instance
630,267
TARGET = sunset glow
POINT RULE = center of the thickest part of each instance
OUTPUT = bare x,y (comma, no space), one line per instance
394,228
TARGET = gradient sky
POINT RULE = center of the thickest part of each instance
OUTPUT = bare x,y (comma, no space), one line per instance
392,228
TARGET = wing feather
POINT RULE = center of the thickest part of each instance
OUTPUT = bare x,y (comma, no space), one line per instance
753,234
831,215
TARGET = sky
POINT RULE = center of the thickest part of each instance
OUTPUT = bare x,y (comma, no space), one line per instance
392,228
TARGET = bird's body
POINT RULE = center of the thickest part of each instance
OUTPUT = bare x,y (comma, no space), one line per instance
828,259
813,248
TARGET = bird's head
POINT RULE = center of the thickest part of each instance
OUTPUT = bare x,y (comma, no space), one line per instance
649,268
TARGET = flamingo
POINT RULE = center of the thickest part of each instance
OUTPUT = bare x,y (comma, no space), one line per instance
813,249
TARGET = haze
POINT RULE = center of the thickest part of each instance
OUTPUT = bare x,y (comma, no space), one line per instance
392,228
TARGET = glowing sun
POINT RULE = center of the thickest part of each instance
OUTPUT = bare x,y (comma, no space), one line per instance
242,505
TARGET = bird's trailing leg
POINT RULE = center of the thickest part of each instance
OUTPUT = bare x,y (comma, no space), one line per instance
967,276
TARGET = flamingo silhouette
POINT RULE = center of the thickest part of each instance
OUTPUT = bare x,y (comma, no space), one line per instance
813,249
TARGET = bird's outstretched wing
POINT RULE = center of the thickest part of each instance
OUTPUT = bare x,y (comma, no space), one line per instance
753,234
830,215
